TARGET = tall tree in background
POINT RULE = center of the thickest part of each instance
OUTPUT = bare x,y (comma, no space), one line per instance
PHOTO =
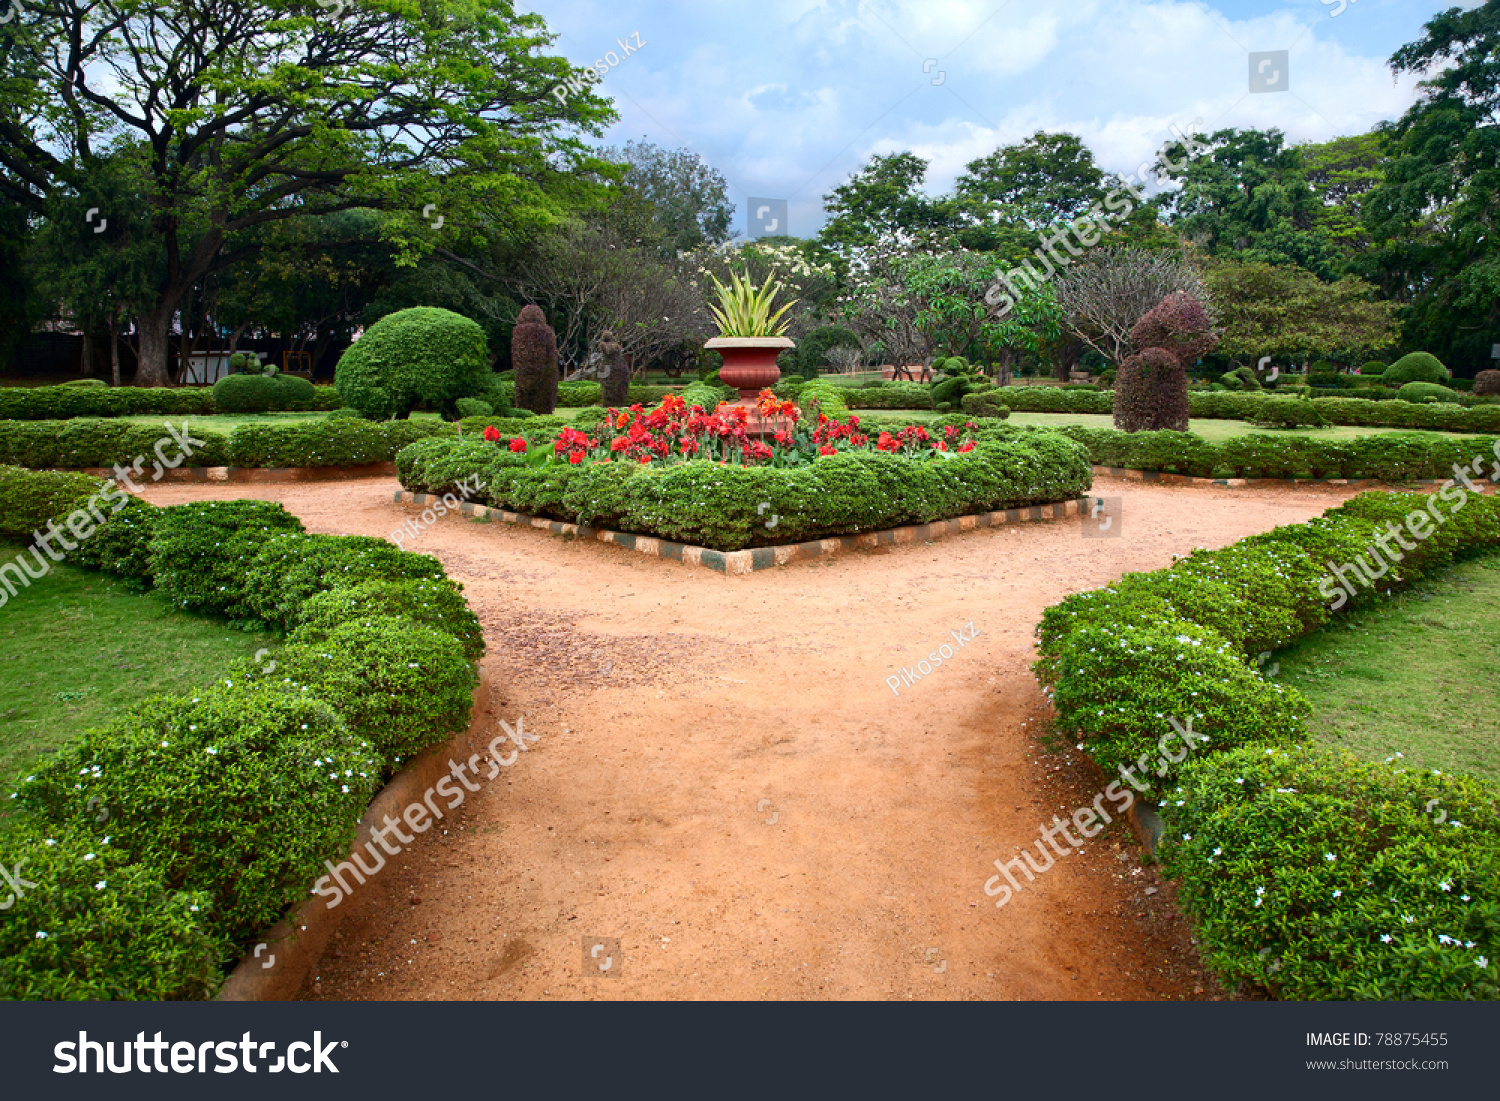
672,199
258,111
884,201
1250,200
1434,216
1342,173
1023,189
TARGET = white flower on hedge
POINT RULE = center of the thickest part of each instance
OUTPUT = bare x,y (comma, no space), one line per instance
1469,944
1408,919
1218,852
99,886
1446,885
1329,857
40,935
1481,962
1338,894
1385,938
346,789
1464,897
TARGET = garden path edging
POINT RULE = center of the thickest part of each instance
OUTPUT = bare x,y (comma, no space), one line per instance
1129,475
296,943
737,563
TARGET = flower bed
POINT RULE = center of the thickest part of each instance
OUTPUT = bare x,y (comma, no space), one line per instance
694,477
1308,874
224,804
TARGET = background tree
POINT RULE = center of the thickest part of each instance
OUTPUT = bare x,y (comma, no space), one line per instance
671,199
1107,292
883,200
256,111
1342,173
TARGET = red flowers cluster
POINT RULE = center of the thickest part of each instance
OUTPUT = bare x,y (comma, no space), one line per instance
672,432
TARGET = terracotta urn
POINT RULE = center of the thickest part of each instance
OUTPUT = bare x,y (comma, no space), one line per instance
750,362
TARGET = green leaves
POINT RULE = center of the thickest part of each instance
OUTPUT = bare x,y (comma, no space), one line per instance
745,311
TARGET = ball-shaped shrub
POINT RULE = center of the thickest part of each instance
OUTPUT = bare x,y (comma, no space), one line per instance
1426,391
1416,367
438,604
533,353
413,356
473,407
1487,382
1374,367
289,568
294,392
240,790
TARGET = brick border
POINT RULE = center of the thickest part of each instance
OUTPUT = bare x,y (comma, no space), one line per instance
737,563
1127,474
254,474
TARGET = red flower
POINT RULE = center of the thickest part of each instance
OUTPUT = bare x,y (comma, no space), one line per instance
826,450
576,457
517,444
966,446
492,434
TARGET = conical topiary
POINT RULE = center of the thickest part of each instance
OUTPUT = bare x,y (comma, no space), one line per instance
533,354
612,371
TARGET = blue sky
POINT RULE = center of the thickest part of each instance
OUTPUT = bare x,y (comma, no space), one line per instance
788,97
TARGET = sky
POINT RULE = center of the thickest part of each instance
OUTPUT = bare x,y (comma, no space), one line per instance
788,98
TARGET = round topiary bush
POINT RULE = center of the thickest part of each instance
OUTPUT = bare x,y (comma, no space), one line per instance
1281,412
418,355
294,392
1416,367
1151,390
1487,382
473,407
1374,367
1426,391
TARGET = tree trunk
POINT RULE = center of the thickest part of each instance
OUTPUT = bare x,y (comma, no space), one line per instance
155,343
1067,359
1002,368
114,354
86,356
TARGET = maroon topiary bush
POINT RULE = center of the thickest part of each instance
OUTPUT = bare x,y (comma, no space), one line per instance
1151,390
1487,382
533,354
614,375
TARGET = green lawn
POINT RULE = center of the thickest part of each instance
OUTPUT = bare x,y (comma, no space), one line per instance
1215,431
77,647
1413,675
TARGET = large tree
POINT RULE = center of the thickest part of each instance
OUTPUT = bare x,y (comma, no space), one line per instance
251,112
884,201
672,198
1108,291
1434,215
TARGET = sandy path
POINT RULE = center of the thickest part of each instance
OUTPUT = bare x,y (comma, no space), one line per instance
725,782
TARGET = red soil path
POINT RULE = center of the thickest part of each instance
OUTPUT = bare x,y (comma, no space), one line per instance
725,782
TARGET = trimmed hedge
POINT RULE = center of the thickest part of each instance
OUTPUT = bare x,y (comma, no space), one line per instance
889,395
221,814
1261,832
335,441
724,507
1390,456
582,392
262,393
28,499
64,402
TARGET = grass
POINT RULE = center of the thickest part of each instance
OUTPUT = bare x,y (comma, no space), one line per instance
1215,431
78,647
1412,675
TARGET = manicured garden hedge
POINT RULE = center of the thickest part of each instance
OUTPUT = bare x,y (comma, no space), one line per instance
1390,456
889,395
725,507
33,403
224,804
1309,875
336,441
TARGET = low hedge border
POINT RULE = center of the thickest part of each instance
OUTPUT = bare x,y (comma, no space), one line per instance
739,563
1126,474
37,403
1298,866
263,474
220,796
296,943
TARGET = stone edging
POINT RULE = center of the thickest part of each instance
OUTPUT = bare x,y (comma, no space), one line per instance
735,563
1185,479
296,943
262,474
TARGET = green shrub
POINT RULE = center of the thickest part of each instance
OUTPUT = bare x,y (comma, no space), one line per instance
294,392
438,604
1287,413
473,407
342,441
355,415
1425,392
1416,367
1311,875
291,567
65,402
132,939
889,395
574,394
327,398
986,403
812,349
400,686
29,498
122,544
1054,399
1241,378
246,393
414,356
828,398
201,552
240,792
1373,367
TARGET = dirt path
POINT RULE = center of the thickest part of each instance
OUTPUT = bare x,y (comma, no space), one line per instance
725,782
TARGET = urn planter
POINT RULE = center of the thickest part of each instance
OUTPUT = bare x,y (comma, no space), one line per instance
750,362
